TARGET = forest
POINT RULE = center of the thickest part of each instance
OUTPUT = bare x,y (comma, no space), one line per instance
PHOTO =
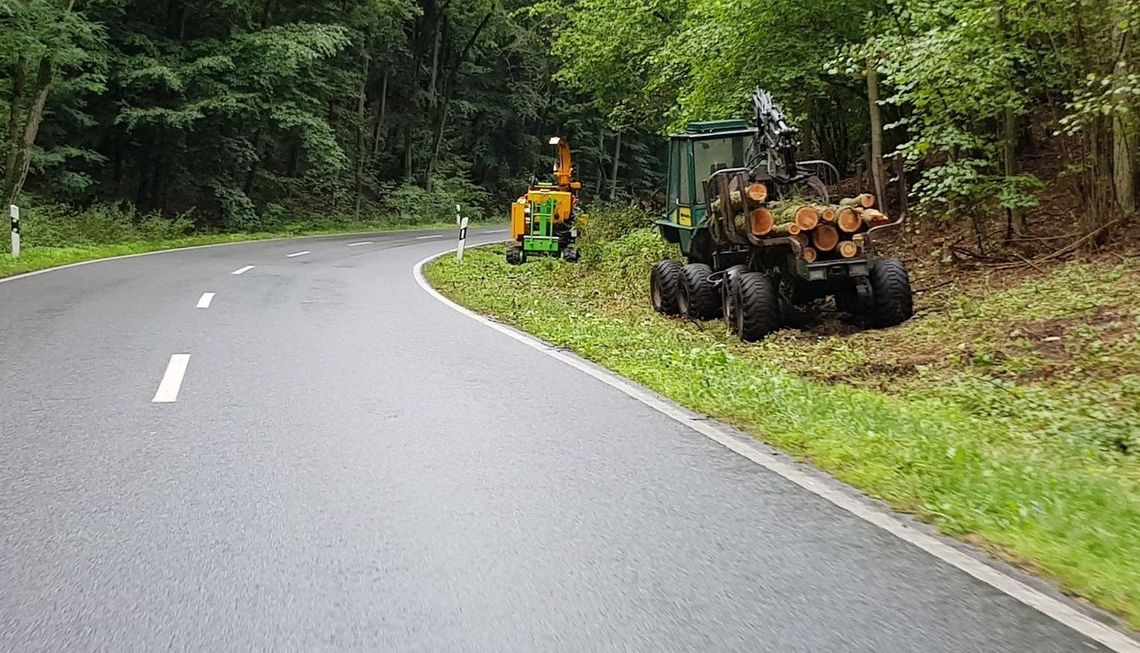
1013,120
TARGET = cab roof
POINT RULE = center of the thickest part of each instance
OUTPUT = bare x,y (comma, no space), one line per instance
716,126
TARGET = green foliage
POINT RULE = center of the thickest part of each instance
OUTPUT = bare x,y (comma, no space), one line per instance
227,108
241,111
56,225
1041,467
953,74
237,211
411,204
608,48
609,221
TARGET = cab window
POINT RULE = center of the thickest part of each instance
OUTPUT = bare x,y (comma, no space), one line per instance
716,154
684,178
674,174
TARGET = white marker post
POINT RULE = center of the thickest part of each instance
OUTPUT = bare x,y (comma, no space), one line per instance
14,211
462,239
458,213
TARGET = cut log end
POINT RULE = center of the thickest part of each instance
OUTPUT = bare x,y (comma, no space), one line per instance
849,220
848,249
828,213
825,238
758,192
807,217
762,222
810,255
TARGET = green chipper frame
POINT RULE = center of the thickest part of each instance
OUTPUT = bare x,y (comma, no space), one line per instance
762,240
539,236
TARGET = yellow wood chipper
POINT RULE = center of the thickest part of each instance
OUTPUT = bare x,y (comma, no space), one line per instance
543,220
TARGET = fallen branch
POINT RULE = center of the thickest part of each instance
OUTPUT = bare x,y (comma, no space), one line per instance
1030,263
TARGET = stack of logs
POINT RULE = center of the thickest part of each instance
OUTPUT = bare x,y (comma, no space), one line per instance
825,231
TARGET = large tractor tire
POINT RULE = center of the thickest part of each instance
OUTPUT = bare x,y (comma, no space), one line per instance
758,307
728,294
664,286
698,299
894,300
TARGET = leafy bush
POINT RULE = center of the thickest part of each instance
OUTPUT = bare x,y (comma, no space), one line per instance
609,221
155,227
57,225
411,204
237,210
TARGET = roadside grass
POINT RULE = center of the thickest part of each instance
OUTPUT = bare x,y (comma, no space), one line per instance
1007,416
55,242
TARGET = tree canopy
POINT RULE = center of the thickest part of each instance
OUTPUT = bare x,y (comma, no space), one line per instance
240,109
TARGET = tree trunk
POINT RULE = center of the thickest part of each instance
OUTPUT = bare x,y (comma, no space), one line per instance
18,173
1123,138
408,172
617,163
448,91
1015,217
19,81
433,93
383,115
878,172
266,13
361,128
413,107
251,174
437,144
601,160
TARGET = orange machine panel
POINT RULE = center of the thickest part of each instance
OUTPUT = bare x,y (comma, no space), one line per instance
518,218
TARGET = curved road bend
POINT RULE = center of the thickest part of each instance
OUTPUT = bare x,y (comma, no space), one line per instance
347,463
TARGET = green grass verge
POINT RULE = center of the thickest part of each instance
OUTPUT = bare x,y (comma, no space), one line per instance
948,418
41,258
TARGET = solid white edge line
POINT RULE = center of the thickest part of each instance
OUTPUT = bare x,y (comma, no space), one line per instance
367,242
1047,605
240,271
172,380
205,300
431,236
296,254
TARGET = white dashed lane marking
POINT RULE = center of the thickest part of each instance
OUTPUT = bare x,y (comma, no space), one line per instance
172,379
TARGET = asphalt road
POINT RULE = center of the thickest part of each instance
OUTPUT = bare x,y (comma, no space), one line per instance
350,464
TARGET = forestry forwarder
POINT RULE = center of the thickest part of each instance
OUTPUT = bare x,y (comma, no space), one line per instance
761,237
542,221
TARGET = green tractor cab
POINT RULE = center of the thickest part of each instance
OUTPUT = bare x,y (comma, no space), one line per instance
762,241
694,156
